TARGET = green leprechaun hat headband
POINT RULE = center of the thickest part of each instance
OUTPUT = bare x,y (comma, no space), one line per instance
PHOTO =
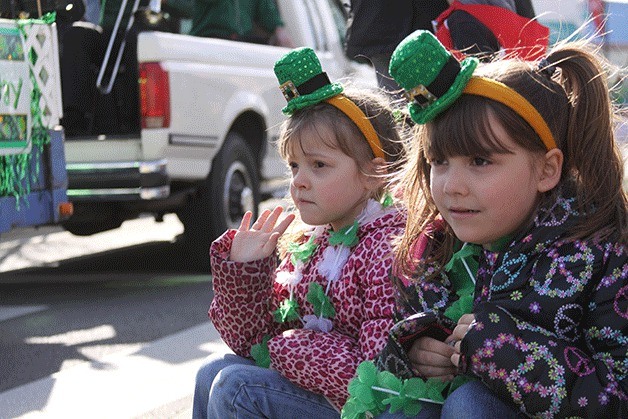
433,79
430,75
304,83
302,80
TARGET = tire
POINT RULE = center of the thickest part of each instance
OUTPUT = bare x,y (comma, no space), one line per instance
231,189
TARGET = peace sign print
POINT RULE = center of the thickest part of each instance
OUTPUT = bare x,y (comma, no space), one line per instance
578,362
621,302
508,271
561,281
556,215
567,321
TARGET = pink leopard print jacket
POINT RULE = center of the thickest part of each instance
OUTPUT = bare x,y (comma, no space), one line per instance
246,294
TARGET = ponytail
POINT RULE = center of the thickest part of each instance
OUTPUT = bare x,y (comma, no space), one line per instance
591,156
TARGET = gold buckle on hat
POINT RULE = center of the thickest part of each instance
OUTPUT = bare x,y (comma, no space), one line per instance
421,96
289,90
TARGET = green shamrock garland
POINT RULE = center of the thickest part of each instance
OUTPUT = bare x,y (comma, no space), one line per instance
287,311
302,252
260,353
346,236
317,297
372,391
461,271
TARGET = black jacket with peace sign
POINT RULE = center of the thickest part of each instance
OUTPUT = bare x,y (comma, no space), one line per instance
551,321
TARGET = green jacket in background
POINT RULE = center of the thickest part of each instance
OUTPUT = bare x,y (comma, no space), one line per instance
234,18
110,8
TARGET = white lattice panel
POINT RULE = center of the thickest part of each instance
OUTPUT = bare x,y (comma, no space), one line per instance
42,39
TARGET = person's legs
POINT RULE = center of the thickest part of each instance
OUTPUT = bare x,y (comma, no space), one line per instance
249,391
81,48
475,400
205,377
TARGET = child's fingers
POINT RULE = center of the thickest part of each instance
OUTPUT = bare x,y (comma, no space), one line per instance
246,221
261,220
460,331
270,222
270,245
429,347
283,225
432,371
467,319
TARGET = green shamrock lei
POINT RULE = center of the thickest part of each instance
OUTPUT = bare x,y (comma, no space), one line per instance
461,270
288,309
371,392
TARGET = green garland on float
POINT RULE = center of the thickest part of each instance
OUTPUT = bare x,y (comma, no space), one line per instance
14,168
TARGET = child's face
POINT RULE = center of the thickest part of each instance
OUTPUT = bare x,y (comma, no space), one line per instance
327,186
484,198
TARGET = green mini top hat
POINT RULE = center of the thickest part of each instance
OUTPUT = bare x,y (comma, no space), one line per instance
431,77
302,80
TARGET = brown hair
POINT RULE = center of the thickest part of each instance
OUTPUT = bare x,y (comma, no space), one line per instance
324,118
570,90
346,135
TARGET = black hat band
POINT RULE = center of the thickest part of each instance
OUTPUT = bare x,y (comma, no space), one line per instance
424,96
290,91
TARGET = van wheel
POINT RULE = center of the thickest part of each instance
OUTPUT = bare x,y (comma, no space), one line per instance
231,189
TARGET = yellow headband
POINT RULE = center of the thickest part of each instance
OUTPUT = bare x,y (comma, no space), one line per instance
354,113
499,92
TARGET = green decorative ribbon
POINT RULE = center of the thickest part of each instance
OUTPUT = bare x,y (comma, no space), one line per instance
346,236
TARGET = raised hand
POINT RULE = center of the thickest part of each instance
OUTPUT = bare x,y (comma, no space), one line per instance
260,240
431,358
458,334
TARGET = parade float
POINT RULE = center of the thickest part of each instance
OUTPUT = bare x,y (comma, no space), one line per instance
33,178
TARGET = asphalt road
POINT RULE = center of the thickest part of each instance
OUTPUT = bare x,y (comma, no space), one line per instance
67,302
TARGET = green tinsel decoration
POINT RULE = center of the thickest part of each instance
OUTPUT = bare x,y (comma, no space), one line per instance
14,168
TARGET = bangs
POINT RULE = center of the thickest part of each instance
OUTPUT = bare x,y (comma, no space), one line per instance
304,134
465,130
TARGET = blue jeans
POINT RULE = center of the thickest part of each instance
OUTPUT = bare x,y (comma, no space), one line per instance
229,386
471,400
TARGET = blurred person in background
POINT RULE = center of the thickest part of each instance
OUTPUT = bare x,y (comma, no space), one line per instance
375,28
241,20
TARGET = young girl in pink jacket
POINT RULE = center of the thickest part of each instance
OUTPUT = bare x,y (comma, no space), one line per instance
299,324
